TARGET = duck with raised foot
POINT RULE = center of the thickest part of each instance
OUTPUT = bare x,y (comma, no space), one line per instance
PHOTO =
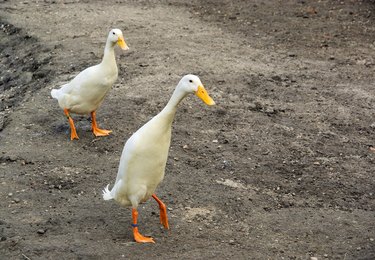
85,93
144,157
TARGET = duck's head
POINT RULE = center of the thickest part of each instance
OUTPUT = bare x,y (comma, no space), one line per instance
192,84
115,36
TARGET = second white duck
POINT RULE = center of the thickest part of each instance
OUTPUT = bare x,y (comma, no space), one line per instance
145,154
85,93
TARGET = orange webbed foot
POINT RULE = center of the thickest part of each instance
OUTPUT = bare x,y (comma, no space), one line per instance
141,239
163,212
95,129
73,132
137,236
73,135
100,132
164,218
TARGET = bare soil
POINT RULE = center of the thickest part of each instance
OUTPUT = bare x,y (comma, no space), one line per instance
281,168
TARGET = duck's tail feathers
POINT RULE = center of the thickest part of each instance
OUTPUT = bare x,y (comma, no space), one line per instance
107,193
55,93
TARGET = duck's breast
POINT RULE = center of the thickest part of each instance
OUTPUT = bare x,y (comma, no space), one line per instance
145,158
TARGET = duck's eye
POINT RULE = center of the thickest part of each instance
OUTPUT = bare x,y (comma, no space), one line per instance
190,81
113,33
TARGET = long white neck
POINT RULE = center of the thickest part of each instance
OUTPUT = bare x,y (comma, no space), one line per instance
109,54
170,109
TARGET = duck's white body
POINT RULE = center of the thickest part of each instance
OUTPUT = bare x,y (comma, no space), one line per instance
143,161
145,154
144,157
87,90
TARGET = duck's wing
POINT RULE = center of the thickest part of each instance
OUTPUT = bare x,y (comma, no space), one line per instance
129,153
81,82
72,93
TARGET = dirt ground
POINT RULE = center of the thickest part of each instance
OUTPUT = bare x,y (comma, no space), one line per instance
281,168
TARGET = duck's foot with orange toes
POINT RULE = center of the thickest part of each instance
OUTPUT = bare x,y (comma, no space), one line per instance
73,132
163,212
137,236
95,130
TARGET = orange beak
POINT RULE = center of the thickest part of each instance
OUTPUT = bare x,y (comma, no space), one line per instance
121,42
203,95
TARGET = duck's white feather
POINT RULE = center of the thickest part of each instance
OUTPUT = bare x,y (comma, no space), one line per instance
107,194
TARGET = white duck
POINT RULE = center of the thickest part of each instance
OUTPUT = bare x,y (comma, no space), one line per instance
144,156
85,93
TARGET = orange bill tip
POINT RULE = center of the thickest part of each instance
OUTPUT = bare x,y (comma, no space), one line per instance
121,42
203,95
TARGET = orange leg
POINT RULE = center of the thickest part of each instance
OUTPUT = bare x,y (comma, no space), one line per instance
163,212
73,132
95,130
137,236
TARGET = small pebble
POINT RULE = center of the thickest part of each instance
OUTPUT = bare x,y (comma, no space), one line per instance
269,110
41,231
215,141
10,194
16,200
313,258
231,242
